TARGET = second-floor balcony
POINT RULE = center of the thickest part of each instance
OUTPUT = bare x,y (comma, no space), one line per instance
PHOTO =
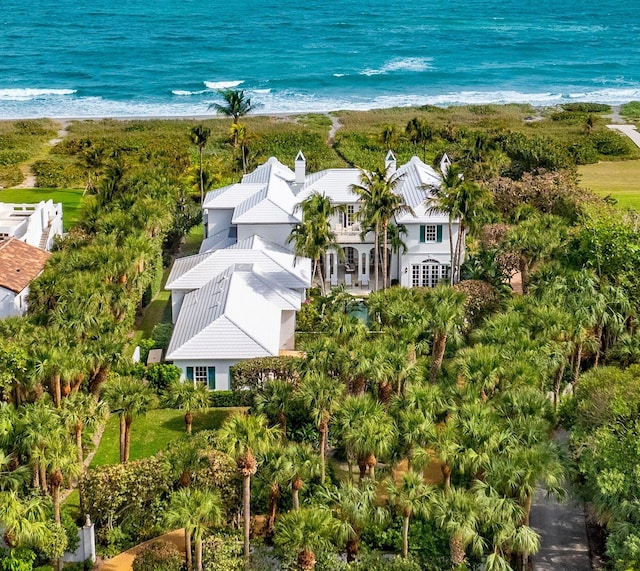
350,234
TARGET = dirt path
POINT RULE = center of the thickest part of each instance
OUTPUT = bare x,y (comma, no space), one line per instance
335,125
29,177
628,130
124,561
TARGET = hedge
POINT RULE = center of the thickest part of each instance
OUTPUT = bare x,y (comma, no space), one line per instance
221,399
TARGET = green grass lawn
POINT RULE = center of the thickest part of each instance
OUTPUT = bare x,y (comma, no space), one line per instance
70,199
152,433
192,241
620,179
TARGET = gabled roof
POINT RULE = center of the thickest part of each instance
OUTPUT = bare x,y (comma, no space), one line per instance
269,259
416,180
332,183
263,197
217,241
19,264
235,316
273,168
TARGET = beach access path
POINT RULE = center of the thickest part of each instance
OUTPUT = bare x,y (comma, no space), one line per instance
629,130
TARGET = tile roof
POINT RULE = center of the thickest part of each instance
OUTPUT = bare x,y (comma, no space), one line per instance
19,264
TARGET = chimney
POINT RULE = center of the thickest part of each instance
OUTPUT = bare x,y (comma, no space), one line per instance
445,163
301,168
390,163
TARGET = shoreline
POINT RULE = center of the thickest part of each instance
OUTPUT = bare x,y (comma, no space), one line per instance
64,121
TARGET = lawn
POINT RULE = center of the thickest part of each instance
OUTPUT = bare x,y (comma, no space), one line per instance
620,179
70,199
152,433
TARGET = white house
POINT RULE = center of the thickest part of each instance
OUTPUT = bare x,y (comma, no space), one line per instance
34,224
240,314
428,257
268,259
19,264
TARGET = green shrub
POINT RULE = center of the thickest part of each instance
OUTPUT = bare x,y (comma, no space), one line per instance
10,176
159,556
220,399
12,157
587,107
223,552
86,565
609,143
56,174
631,109
20,559
161,375
161,335
254,373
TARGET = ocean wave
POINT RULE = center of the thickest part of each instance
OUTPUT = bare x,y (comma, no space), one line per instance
261,91
183,93
223,84
402,64
290,101
339,74
26,94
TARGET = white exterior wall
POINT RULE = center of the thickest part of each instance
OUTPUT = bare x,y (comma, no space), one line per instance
218,220
223,380
30,223
288,330
12,304
276,233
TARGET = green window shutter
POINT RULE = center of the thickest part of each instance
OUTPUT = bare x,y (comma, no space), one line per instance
439,233
211,378
190,373
421,233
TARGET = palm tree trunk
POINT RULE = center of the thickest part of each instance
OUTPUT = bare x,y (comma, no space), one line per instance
43,478
384,254
352,549
122,432
199,554
459,245
457,551
201,179
78,431
273,507
187,548
188,420
439,346
127,438
599,331
446,473
55,493
296,499
556,385
315,271
577,363
246,500
57,390
405,536
524,274
323,445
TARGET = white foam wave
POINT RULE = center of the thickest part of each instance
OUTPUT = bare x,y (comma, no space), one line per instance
182,93
295,102
27,94
339,74
261,90
223,84
401,64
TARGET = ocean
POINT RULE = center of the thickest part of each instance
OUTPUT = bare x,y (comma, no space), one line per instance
117,58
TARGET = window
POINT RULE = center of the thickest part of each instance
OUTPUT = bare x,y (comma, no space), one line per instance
202,374
429,273
349,217
431,233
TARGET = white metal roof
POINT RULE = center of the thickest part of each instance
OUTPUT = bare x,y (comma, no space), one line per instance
230,196
267,171
332,183
269,259
236,316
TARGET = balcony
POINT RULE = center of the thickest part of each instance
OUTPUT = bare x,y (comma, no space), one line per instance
351,234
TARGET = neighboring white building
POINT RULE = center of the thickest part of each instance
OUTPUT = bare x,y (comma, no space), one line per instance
19,264
240,314
34,224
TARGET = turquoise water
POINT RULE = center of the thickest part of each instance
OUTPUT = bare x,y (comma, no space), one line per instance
65,58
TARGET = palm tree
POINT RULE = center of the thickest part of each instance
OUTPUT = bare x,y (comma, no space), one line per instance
277,472
388,136
127,397
304,465
197,511
189,398
380,204
80,411
313,237
419,132
200,136
307,531
410,496
458,512
60,458
355,506
446,316
235,104
274,401
243,437
23,520
11,479
240,137
321,395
